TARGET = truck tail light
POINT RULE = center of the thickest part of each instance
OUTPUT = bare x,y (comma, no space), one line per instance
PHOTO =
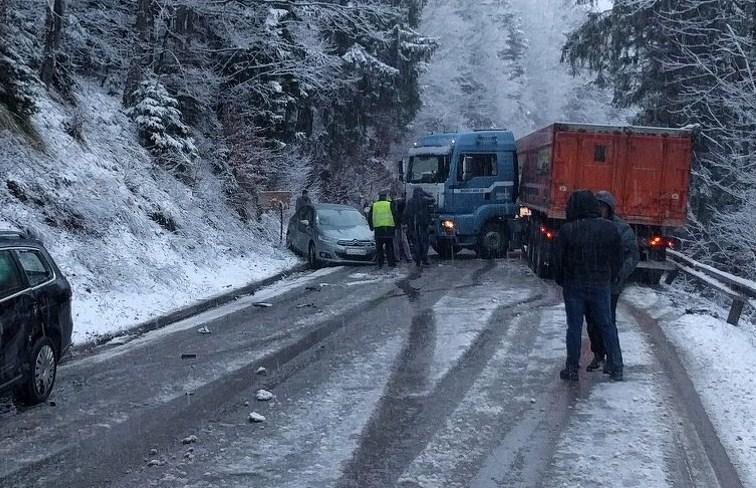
548,233
659,242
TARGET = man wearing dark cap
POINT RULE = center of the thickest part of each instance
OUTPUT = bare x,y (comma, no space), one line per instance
303,200
630,259
587,262
382,221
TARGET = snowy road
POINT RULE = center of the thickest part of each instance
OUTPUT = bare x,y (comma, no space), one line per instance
446,378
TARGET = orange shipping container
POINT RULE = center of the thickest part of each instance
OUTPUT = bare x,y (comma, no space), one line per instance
647,169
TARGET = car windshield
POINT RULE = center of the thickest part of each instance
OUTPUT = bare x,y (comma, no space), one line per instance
428,169
340,218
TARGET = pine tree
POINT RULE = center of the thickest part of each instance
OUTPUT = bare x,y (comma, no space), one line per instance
17,82
160,127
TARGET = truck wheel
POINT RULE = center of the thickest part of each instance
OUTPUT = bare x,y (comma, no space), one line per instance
39,377
493,241
445,250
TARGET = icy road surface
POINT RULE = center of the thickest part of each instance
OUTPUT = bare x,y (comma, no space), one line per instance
445,378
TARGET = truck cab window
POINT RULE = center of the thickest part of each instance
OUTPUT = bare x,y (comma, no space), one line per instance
428,169
476,165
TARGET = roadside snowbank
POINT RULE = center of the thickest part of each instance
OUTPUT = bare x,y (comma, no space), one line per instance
721,361
133,240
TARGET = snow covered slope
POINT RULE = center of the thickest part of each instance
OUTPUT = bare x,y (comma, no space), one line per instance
134,241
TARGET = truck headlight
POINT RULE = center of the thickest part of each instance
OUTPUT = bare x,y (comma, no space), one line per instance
448,226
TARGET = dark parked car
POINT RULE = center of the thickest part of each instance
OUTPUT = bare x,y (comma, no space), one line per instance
35,317
331,234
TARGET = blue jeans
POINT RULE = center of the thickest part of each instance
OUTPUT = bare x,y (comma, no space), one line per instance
577,301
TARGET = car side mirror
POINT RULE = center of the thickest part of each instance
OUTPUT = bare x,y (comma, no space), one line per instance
305,222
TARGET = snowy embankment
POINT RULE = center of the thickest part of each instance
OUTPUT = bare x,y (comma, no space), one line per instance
721,361
134,241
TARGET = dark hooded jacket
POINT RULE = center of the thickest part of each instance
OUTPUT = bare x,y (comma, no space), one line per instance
630,251
589,251
417,214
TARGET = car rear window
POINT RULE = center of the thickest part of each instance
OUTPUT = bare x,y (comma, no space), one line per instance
10,278
35,266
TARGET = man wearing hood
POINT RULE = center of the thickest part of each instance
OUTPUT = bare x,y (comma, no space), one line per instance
630,259
417,216
587,262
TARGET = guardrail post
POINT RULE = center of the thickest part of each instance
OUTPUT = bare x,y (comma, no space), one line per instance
735,311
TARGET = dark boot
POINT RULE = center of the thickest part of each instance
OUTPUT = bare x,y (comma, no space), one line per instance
570,373
595,364
616,375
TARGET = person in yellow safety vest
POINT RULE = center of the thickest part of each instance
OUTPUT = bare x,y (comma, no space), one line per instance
383,222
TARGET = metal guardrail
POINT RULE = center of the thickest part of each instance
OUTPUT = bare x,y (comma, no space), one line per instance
740,290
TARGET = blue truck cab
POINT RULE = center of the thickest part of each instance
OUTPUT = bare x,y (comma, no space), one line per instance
473,177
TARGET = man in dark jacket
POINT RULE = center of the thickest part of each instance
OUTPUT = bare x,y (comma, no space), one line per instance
587,262
382,221
303,200
630,259
401,246
418,219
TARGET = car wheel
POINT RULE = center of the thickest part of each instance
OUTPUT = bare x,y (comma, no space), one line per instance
41,370
312,257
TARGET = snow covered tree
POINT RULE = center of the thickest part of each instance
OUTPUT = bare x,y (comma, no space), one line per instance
16,83
158,119
54,71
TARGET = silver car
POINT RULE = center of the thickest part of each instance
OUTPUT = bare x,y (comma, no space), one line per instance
331,234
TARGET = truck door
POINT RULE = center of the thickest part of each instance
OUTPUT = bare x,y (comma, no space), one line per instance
17,309
477,174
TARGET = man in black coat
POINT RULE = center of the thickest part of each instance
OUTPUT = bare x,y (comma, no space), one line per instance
417,216
303,200
587,262
630,259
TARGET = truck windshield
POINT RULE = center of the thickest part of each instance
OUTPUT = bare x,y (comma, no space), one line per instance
428,169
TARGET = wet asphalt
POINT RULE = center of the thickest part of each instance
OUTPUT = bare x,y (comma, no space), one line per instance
349,355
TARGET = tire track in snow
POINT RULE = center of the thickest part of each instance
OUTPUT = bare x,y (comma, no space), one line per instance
406,420
493,408
621,434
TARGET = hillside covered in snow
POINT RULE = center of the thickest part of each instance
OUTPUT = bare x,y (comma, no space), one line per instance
134,241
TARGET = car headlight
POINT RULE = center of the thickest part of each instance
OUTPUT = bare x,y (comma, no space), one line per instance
326,240
448,226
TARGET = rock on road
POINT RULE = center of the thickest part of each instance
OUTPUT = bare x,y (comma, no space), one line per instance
440,378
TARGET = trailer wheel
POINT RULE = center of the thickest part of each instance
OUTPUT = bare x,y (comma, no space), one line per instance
528,243
651,276
541,251
493,241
